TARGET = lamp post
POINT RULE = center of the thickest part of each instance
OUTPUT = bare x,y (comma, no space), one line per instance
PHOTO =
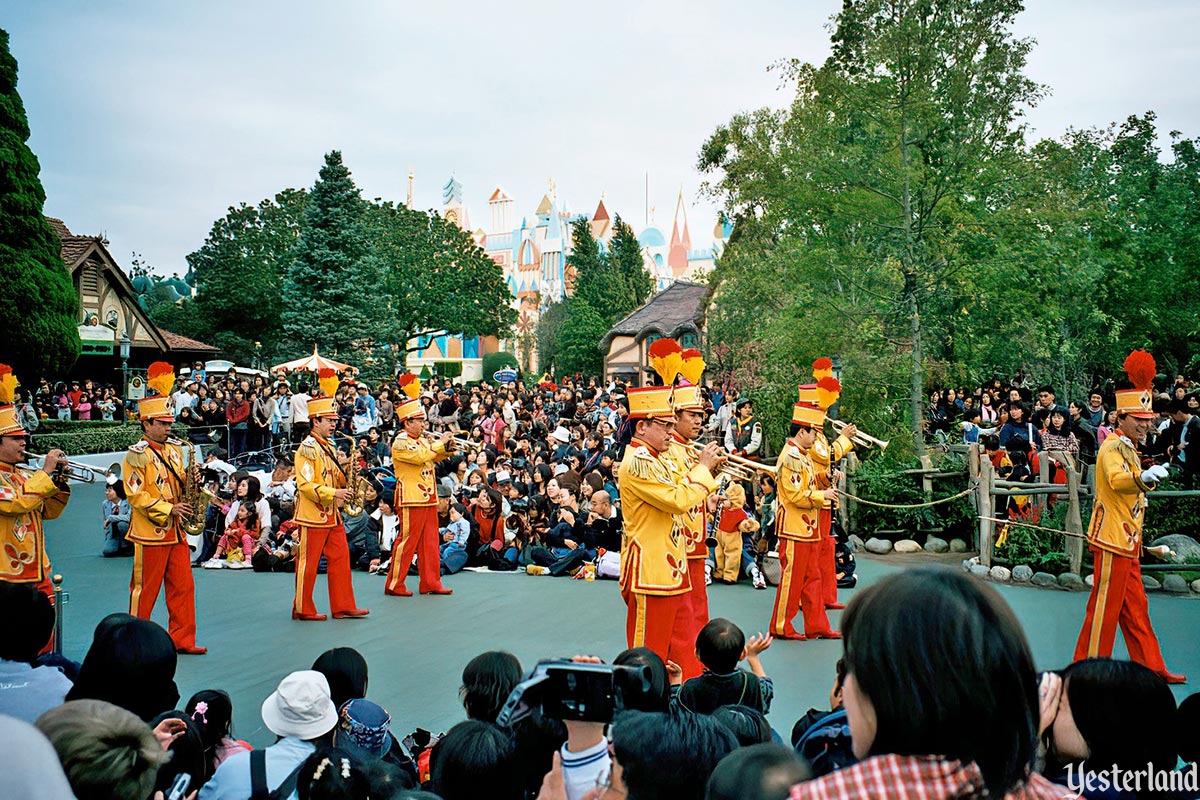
258,355
125,372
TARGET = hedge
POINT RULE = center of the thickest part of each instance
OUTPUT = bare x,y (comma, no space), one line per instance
84,438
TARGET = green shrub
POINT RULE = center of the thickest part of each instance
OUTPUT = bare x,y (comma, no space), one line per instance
1044,551
72,425
93,437
493,362
1167,515
883,480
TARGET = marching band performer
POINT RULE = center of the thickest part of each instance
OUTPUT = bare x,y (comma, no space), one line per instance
27,498
413,458
155,486
654,570
1115,532
823,394
798,528
321,491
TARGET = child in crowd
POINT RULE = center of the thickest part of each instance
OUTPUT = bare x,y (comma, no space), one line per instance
720,646
236,546
115,512
454,540
211,715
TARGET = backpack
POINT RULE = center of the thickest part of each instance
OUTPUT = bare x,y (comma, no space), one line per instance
826,746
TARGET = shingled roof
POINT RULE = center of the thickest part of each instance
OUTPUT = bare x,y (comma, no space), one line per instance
675,309
73,247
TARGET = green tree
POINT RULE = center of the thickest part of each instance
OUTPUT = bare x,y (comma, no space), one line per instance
497,361
549,326
334,275
39,306
579,340
626,256
591,276
238,271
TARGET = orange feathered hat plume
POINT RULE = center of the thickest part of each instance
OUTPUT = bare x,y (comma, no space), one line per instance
822,368
8,385
409,384
666,357
828,391
1141,369
160,376
327,379
693,366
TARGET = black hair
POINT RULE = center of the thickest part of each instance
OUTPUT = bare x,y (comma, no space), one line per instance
215,722
476,759
1046,389
131,663
839,672
635,697
29,621
187,755
669,757
388,781
346,671
748,725
487,681
763,771
331,774
719,645
919,645
1179,405
118,488
1187,718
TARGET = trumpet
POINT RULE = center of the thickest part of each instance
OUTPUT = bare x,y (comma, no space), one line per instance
742,469
861,439
74,471
466,445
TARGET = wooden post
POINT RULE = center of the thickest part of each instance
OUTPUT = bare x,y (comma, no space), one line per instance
983,505
1074,523
846,511
1043,477
926,480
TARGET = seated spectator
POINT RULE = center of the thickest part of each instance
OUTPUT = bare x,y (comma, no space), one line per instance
301,713
27,691
29,764
278,553
131,664
454,537
235,548
108,753
345,670
814,715
748,725
487,681
720,645
1098,701
249,494
332,774
364,733
476,759
761,771
931,654
210,714
664,756
656,696
115,512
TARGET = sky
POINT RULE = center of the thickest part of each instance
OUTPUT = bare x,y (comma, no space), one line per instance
150,119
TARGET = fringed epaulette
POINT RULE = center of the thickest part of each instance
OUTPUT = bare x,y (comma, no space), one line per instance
139,446
309,449
645,466
793,458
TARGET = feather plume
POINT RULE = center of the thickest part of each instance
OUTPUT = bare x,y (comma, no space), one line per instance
327,379
666,356
822,368
1141,369
160,376
828,391
410,384
693,366
8,385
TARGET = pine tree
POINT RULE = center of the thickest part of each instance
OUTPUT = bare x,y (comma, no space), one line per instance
334,276
38,302
596,280
625,254
579,340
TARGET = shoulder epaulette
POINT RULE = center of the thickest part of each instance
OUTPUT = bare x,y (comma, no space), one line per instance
309,448
138,446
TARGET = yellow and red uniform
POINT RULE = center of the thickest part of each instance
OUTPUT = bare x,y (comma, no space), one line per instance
654,571
318,477
154,483
27,499
797,524
416,503
1115,534
823,458
693,524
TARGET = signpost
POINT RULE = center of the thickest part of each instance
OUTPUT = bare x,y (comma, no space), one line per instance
506,375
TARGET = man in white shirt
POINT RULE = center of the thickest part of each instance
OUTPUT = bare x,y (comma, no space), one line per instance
299,414
281,421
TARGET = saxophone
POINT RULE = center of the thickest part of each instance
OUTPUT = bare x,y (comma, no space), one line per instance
357,486
194,495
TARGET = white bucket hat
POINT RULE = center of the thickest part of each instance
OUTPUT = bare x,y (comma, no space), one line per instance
300,707
561,434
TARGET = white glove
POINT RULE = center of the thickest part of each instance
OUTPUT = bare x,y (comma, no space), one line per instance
1155,474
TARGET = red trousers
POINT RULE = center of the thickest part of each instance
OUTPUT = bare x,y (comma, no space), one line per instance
152,564
332,543
660,623
695,617
827,560
799,588
418,536
1118,598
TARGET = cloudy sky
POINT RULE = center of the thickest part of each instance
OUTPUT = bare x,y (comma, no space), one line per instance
150,118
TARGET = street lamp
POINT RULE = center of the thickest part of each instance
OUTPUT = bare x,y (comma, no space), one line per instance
125,372
258,355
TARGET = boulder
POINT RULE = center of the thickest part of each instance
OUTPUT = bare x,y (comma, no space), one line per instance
878,546
1150,583
979,570
1043,579
1069,580
958,546
907,546
1090,580
1196,586
1186,548
856,542
936,545
1175,584
1022,573
1001,574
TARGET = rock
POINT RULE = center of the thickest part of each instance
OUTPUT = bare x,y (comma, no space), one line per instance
1196,586
1151,584
878,546
856,542
1185,547
958,546
1090,580
1022,573
980,570
1001,574
966,565
1069,580
935,545
1175,584
907,546
1043,579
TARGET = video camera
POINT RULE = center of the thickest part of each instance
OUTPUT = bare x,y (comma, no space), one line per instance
568,690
